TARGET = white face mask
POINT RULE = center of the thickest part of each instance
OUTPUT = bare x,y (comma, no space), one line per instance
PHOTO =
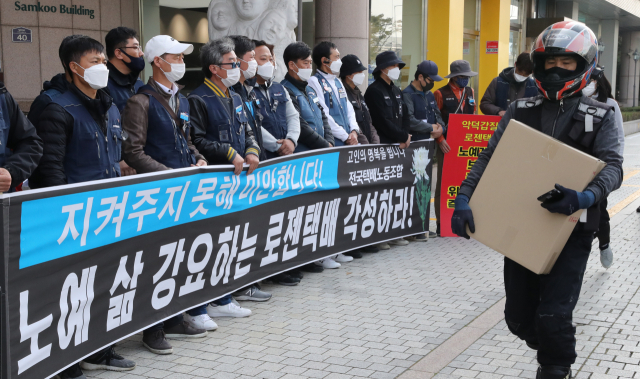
394,73
590,89
519,78
335,67
233,76
176,73
96,76
358,78
303,73
251,70
266,71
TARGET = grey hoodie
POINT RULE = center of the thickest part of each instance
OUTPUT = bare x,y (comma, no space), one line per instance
605,147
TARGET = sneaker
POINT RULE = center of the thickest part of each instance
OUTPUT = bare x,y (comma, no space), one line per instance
328,263
532,345
421,238
312,267
606,257
384,246
553,372
228,310
108,359
370,249
296,274
433,235
157,343
284,279
252,293
410,238
73,372
184,330
399,242
354,254
341,258
638,209
201,322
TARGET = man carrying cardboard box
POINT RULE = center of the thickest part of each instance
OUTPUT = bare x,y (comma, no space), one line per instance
539,308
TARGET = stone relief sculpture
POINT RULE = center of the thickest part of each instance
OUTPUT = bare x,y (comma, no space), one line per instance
273,21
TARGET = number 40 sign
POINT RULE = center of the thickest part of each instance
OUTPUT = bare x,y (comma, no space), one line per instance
21,35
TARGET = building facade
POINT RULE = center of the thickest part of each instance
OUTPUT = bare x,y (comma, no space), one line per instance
490,34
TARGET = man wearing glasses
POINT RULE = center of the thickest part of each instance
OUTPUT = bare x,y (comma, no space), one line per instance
221,129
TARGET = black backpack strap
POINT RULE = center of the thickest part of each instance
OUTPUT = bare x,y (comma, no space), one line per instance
529,111
588,119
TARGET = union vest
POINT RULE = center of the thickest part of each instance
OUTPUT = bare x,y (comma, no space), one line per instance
5,127
165,142
91,155
309,110
451,104
254,116
222,125
424,105
273,111
122,94
502,92
338,108
529,111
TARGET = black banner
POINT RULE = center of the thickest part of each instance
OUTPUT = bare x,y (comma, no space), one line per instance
90,264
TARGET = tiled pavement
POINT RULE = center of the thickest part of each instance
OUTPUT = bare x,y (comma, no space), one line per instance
377,316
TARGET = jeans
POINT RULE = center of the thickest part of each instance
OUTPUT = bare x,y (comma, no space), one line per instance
539,308
604,229
202,309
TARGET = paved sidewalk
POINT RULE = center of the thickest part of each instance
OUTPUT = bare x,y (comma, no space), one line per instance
379,316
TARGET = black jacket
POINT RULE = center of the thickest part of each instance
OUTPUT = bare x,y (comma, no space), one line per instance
56,128
23,140
58,83
308,136
362,113
389,114
256,123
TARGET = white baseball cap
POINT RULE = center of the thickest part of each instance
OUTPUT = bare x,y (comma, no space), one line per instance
162,44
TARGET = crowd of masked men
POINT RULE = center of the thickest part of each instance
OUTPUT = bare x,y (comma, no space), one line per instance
98,120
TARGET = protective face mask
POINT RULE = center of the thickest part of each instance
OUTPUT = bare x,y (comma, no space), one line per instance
462,82
251,70
96,76
136,65
428,86
394,73
266,71
303,73
555,74
589,90
519,78
233,76
335,67
176,73
358,78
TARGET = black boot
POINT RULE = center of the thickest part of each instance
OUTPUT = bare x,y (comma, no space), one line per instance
553,372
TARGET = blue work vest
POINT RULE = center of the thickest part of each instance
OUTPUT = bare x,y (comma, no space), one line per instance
424,108
91,155
166,143
274,110
338,108
309,110
122,94
502,92
223,126
5,127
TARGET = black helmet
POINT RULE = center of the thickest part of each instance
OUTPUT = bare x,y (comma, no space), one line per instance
564,38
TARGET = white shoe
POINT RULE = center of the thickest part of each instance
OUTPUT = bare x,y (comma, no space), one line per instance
399,242
341,258
229,310
384,246
328,263
201,322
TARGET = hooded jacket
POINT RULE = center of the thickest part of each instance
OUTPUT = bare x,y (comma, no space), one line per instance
488,104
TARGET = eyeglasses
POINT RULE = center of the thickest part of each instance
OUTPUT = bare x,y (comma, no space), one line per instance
139,48
233,64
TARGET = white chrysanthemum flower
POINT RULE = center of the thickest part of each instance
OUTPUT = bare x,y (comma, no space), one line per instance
420,162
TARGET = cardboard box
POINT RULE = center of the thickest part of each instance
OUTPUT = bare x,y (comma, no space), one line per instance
508,217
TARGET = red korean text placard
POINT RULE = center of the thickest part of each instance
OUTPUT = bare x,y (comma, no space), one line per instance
467,136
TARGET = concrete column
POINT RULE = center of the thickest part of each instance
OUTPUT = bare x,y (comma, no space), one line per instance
630,42
567,9
150,28
345,23
609,58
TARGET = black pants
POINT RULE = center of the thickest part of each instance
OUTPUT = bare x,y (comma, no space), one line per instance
166,324
604,229
539,308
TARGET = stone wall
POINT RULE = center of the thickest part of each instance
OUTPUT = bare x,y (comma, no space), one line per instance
27,65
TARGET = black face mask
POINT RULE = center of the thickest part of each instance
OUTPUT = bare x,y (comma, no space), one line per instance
428,86
555,74
136,65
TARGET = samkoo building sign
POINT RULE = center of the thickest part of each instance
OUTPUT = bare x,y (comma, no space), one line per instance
73,9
